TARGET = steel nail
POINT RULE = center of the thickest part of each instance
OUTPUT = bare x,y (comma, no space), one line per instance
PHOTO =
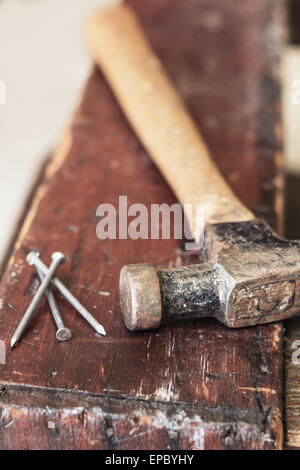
70,297
57,259
63,333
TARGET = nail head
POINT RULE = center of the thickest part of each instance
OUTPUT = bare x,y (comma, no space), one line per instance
63,334
31,257
58,255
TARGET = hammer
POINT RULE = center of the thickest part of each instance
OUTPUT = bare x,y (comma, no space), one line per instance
249,275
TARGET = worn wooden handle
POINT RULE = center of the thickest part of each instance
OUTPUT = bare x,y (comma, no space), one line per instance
158,115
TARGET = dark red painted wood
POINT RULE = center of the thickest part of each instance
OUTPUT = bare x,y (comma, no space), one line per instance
192,385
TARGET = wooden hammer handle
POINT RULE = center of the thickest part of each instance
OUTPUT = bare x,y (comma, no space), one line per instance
158,115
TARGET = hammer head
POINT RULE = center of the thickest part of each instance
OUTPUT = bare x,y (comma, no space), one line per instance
250,276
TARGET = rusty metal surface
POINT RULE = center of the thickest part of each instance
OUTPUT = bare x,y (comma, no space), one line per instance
140,297
252,277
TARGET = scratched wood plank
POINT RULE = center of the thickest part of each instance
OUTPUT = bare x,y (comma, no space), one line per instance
292,335
194,385
292,384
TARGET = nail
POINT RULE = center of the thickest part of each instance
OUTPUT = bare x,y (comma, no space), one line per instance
57,259
63,333
70,298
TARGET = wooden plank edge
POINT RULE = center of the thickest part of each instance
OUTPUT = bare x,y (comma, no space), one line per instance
77,420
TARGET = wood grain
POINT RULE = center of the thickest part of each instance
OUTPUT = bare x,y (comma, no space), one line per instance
292,330
292,382
194,385
158,116
224,60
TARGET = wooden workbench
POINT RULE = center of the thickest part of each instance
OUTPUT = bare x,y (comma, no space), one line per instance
197,385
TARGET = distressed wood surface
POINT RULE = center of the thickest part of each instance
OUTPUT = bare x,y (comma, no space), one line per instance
292,384
292,334
188,386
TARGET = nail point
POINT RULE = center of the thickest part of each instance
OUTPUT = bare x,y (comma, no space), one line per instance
101,331
13,342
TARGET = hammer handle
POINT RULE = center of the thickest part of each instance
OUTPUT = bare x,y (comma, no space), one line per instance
158,116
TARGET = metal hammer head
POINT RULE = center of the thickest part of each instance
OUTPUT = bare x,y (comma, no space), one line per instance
251,276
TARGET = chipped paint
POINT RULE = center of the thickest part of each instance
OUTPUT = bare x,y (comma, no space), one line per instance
166,393
267,390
